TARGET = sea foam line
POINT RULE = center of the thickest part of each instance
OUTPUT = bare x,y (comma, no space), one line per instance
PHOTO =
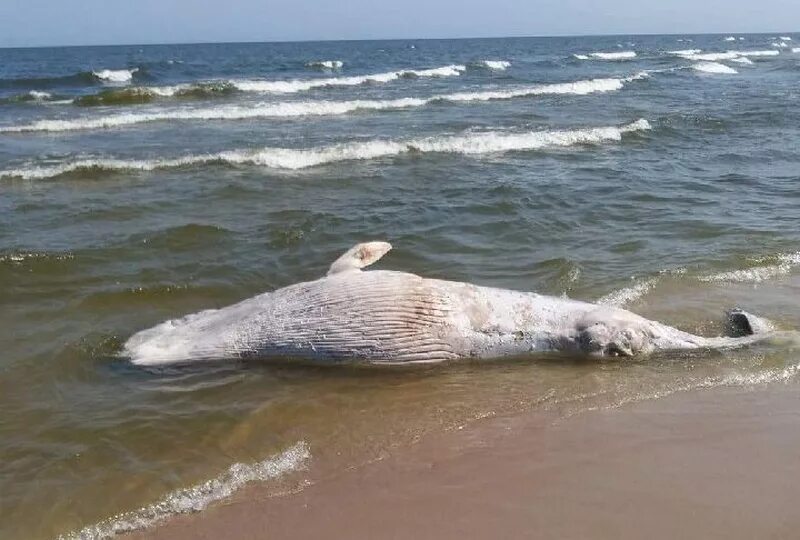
293,159
616,55
685,52
315,108
781,265
301,85
722,56
197,498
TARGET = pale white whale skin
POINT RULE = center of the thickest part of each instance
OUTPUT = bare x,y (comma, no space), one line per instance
385,316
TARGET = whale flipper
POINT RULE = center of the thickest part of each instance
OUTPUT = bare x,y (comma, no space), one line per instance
742,323
359,256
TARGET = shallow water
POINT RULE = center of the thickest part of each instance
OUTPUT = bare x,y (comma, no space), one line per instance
114,217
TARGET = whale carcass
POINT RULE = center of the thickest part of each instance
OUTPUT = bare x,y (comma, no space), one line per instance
387,317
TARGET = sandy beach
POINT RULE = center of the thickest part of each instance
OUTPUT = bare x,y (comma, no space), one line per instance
720,463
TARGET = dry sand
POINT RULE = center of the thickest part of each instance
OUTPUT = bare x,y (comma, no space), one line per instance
710,464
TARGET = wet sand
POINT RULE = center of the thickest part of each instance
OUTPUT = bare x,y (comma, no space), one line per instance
721,463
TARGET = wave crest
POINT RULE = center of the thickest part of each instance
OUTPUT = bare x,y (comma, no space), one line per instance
616,55
293,159
115,75
775,267
325,64
315,108
196,498
714,67
496,65
302,85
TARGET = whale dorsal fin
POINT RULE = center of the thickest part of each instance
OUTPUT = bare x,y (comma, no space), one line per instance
359,256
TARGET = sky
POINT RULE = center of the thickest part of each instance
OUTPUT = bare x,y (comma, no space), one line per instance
104,22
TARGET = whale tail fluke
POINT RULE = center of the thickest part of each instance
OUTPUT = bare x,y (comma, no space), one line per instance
742,323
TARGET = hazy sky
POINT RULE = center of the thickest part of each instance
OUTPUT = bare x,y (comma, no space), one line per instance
62,22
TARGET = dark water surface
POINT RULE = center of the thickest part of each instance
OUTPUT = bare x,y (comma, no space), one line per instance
143,183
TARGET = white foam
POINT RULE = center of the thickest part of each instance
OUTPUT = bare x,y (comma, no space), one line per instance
730,38
780,44
781,265
728,55
197,498
785,38
302,85
326,64
742,60
757,53
711,57
115,75
312,108
796,50
498,65
627,295
40,96
620,55
685,52
575,88
581,56
444,71
292,159
714,67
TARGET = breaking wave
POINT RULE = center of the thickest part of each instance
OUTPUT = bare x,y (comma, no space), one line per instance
325,64
210,89
32,96
40,96
714,67
316,108
138,95
197,498
685,52
758,53
765,268
497,65
115,75
292,159
617,55
774,267
301,85
722,56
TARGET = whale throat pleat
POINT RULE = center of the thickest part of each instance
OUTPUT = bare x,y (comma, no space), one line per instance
399,319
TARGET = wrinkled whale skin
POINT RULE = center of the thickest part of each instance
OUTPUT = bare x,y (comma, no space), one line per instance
384,316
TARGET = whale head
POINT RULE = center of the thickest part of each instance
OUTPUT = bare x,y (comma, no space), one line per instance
614,333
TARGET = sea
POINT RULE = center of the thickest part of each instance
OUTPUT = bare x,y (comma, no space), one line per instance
142,183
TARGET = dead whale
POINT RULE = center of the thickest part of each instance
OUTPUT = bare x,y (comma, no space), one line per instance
389,317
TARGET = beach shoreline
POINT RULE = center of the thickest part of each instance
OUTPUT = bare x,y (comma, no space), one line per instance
699,464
